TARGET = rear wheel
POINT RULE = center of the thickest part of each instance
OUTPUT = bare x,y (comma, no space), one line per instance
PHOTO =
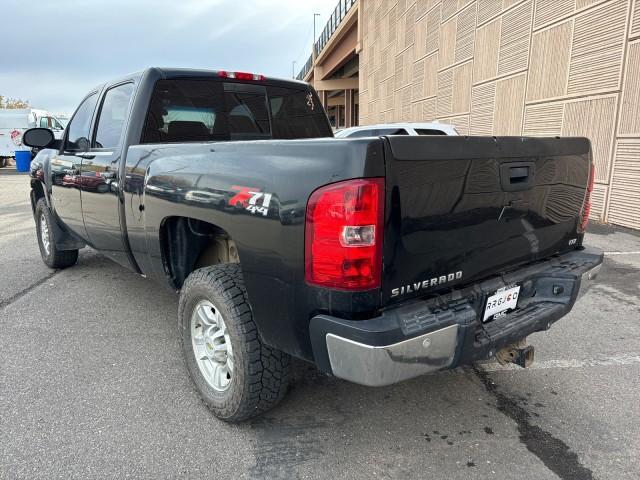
3,162
51,255
236,374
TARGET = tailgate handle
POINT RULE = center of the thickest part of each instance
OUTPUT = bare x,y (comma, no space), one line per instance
517,176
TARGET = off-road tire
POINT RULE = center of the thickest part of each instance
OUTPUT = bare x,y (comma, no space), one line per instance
53,258
261,373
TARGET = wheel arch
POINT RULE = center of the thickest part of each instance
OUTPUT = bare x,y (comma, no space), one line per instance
37,192
188,243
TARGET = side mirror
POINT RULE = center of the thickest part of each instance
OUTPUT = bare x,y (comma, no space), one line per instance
38,138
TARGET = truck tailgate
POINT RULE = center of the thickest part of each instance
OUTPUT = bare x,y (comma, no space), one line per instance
460,209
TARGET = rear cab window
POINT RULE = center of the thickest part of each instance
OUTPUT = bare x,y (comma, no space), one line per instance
204,109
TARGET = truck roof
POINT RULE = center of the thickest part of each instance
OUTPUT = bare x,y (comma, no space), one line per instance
171,72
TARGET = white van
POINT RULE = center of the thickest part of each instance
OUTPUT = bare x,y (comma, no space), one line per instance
13,123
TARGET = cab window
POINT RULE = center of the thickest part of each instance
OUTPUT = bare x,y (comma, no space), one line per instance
113,115
78,136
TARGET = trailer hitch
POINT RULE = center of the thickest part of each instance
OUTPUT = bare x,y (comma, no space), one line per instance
519,353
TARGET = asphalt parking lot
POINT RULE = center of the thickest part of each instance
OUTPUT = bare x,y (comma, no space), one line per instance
93,385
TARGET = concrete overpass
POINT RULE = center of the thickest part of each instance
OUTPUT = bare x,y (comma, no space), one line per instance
333,66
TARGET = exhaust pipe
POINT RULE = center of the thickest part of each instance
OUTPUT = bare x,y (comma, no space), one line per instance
519,353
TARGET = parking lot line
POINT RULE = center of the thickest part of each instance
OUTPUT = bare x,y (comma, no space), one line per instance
605,361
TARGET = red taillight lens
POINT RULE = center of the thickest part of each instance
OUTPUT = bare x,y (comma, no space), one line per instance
240,75
586,205
343,235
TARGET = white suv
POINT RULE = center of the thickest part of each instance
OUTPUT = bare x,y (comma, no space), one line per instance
397,129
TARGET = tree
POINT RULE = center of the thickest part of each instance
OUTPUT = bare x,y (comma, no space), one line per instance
7,102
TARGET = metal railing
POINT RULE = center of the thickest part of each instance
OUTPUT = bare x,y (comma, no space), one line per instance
305,69
332,25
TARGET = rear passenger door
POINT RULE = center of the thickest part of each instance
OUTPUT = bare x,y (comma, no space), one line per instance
100,173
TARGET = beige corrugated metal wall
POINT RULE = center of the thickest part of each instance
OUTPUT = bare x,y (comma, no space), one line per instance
511,67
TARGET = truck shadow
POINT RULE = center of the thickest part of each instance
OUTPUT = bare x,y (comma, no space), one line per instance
323,416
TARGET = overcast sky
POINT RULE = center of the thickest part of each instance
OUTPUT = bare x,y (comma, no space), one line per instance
54,51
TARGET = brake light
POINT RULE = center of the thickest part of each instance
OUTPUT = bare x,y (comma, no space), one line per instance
343,235
586,205
240,75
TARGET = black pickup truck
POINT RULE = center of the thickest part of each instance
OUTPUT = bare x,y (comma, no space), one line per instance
378,259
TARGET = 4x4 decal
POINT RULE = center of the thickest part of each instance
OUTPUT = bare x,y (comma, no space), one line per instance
251,199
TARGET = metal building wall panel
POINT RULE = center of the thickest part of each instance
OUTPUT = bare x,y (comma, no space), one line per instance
548,11
543,120
433,29
514,41
449,8
461,92
485,65
420,45
550,55
448,42
634,31
482,104
445,92
509,105
630,108
593,118
598,200
409,22
598,46
487,9
465,33
625,189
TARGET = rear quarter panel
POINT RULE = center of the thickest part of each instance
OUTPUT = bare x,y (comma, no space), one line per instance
169,180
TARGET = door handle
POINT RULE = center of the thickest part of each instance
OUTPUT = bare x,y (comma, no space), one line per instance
516,176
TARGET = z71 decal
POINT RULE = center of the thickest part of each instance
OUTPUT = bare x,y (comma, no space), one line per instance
251,199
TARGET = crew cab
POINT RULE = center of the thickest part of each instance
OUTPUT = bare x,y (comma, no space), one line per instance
378,258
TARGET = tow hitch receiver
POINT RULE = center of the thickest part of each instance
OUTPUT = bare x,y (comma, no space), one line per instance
519,353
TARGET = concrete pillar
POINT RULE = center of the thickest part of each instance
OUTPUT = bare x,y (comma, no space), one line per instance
349,108
323,98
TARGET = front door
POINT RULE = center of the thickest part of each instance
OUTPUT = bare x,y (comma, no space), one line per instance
66,165
100,177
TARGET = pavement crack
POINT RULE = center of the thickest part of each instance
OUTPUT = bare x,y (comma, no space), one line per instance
22,293
556,455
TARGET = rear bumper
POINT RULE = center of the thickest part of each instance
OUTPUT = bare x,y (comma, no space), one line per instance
446,331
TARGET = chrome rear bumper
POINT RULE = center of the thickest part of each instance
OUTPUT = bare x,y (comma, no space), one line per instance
380,366
587,280
390,348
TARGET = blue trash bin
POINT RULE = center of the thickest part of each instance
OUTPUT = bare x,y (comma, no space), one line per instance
23,160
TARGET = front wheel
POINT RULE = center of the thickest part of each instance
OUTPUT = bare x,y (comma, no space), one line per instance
236,374
51,255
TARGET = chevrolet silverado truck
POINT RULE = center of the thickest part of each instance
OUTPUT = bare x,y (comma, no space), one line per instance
377,259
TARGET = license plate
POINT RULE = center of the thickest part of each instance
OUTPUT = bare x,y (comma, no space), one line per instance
501,301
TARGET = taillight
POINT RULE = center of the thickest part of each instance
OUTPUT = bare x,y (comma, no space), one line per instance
586,205
240,75
343,235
